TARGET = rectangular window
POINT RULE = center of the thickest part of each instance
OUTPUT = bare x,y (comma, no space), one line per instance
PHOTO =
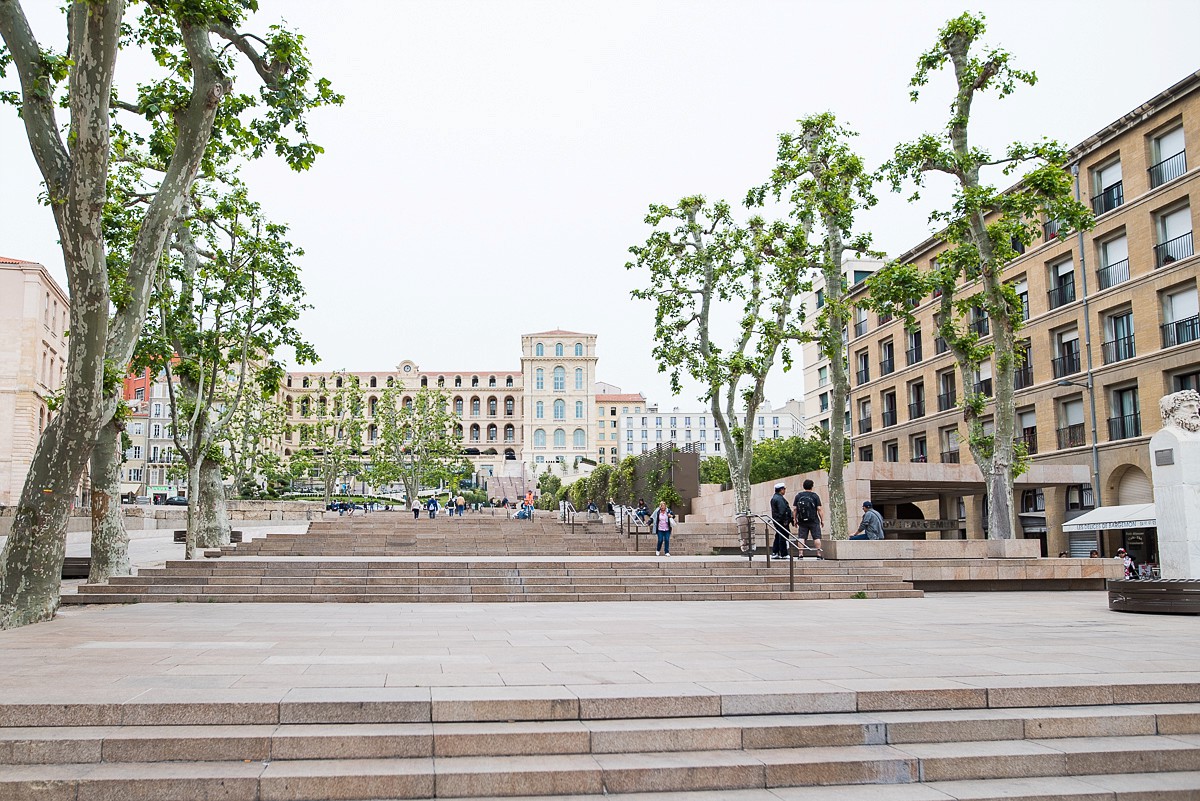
950,445
916,400
1114,262
863,360
1181,317
823,401
889,408
822,376
866,454
1168,157
1070,424
1118,331
864,416
1062,283
919,449
887,358
1187,380
1126,421
1066,352
139,394
1174,236
1107,189
891,451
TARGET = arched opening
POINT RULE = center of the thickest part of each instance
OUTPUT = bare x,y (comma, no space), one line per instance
1133,486
510,454
492,381
458,406
474,380
475,432
374,381
509,433
492,406
508,382
491,433
457,381
509,405
474,407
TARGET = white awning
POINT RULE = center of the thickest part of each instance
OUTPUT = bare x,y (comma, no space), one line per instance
131,487
1137,515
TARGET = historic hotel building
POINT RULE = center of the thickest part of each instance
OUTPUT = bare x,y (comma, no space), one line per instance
1112,325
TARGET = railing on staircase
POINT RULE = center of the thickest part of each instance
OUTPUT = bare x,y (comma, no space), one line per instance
627,523
744,525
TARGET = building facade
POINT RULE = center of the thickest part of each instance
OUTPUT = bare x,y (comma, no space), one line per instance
644,427
34,319
1111,326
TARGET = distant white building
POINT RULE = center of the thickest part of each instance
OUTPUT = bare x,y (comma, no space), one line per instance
642,429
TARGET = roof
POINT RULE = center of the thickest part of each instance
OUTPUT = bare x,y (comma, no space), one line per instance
558,332
627,397
6,260
1135,515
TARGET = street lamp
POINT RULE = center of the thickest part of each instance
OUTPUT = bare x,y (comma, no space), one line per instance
1095,442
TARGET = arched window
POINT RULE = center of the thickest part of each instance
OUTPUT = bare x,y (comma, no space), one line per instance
373,381
538,350
474,380
475,432
509,433
371,404
289,382
441,380
613,451
339,382
491,433
458,406
458,380
372,433
289,405
560,409
539,410
578,410
578,378
492,381
491,407
539,438
560,438
304,407
391,382
474,407
508,382
321,382
508,407
580,438
407,402
578,348
306,382
458,430
539,379
558,349
424,381
560,379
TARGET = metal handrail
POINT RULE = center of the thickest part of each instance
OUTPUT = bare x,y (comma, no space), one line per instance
770,530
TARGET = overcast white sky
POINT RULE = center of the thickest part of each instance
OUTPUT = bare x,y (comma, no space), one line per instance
494,160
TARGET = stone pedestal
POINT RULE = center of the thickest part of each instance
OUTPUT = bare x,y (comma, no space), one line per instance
1175,461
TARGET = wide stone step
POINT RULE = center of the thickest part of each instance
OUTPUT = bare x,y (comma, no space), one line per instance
179,595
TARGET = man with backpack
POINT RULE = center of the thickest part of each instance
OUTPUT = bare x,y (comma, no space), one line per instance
781,515
809,517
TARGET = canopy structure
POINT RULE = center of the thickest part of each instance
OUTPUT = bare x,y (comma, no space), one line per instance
131,487
1136,515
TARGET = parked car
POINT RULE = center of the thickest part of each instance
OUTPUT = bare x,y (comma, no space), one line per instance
178,500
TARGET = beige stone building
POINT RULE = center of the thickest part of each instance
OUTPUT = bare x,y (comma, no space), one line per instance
1112,325
33,323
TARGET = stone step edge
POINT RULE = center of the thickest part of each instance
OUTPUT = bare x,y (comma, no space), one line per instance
578,702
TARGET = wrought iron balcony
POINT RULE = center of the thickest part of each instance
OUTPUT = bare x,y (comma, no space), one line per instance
887,366
1071,436
1109,199
1067,364
864,425
1168,169
939,345
1125,426
1173,250
1113,274
1029,437
1050,228
916,410
920,458
947,400
1118,350
913,355
863,375
889,417
950,457
981,326
1023,376
860,328
1062,294
1181,331
886,317
984,387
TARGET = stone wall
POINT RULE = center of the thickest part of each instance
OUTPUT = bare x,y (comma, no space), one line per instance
241,514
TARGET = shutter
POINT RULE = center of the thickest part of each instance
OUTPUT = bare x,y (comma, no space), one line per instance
1135,487
1082,543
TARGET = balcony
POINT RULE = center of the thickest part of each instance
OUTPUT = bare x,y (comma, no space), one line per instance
889,417
913,355
1118,350
920,458
1071,436
1125,427
1113,274
1050,229
1173,250
1109,199
950,457
887,366
1168,169
1062,295
864,425
860,328
1029,437
947,400
1067,364
1181,331
916,410
1023,376
984,387
864,375
885,318
939,345
981,326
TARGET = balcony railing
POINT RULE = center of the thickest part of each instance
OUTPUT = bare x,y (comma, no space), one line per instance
884,318
860,328
1173,250
1067,364
913,355
947,400
916,410
887,366
1125,426
1118,350
1168,169
981,326
939,345
1062,294
1023,376
888,417
863,376
984,387
1181,331
1071,436
1029,437
950,457
920,458
864,425
1113,274
1050,228
1109,199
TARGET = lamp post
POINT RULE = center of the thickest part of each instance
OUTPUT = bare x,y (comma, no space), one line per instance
1095,442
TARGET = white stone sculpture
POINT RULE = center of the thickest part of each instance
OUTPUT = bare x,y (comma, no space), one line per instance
1175,464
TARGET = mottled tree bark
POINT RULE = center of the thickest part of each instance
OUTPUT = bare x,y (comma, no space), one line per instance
110,540
212,527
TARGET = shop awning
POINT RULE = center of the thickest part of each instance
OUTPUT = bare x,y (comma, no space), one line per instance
131,488
1137,515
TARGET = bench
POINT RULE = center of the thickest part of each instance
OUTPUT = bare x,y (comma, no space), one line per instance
75,567
234,536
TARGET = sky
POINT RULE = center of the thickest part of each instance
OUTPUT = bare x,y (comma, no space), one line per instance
494,160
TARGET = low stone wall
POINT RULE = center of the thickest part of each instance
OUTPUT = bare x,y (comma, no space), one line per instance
931,549
241,513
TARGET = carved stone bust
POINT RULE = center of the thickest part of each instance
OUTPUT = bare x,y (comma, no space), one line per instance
1181,410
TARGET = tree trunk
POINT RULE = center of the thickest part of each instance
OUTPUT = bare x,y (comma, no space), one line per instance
213,516
999,481
193,508
110,541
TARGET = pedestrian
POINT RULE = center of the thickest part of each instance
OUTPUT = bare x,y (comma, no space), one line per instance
460,505
642,512
809,517
781,515
1127,562
416,509
661,523
871,527
432,506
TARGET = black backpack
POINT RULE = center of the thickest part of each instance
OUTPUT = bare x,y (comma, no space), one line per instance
806,510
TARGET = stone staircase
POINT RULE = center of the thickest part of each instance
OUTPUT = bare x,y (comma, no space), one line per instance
1093,742
267,580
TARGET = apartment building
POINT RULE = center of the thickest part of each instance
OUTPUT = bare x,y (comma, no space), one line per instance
645,427
33,323
609,408
1112,325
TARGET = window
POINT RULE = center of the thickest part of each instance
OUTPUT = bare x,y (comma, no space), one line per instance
866,454
474,380
658,434
1114,261
888,401
474,407
137,429
887,358
578,378
560,379
578,410
458,406
508,382
508,407
645,434
139,394
560,438
539,379
137,452
578,348
539,438
1118,333
492,381
1070,424
458,380
1062,283
580,438
1168,157
1066,352
863,360
916,400
509,433
1107,189
920,452
158,410
1174,236
658,422
820,298
860,321
864,416
823,399
475,432
1189,379
558,349
983,379
1079,496
1181,317
947,390
560,409
913,352
1021,287
822,376
950,445
1126,421
1027,430
539,350
979,322
891,451
539,410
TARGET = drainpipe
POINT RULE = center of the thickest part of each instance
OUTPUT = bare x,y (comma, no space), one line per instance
1087,333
